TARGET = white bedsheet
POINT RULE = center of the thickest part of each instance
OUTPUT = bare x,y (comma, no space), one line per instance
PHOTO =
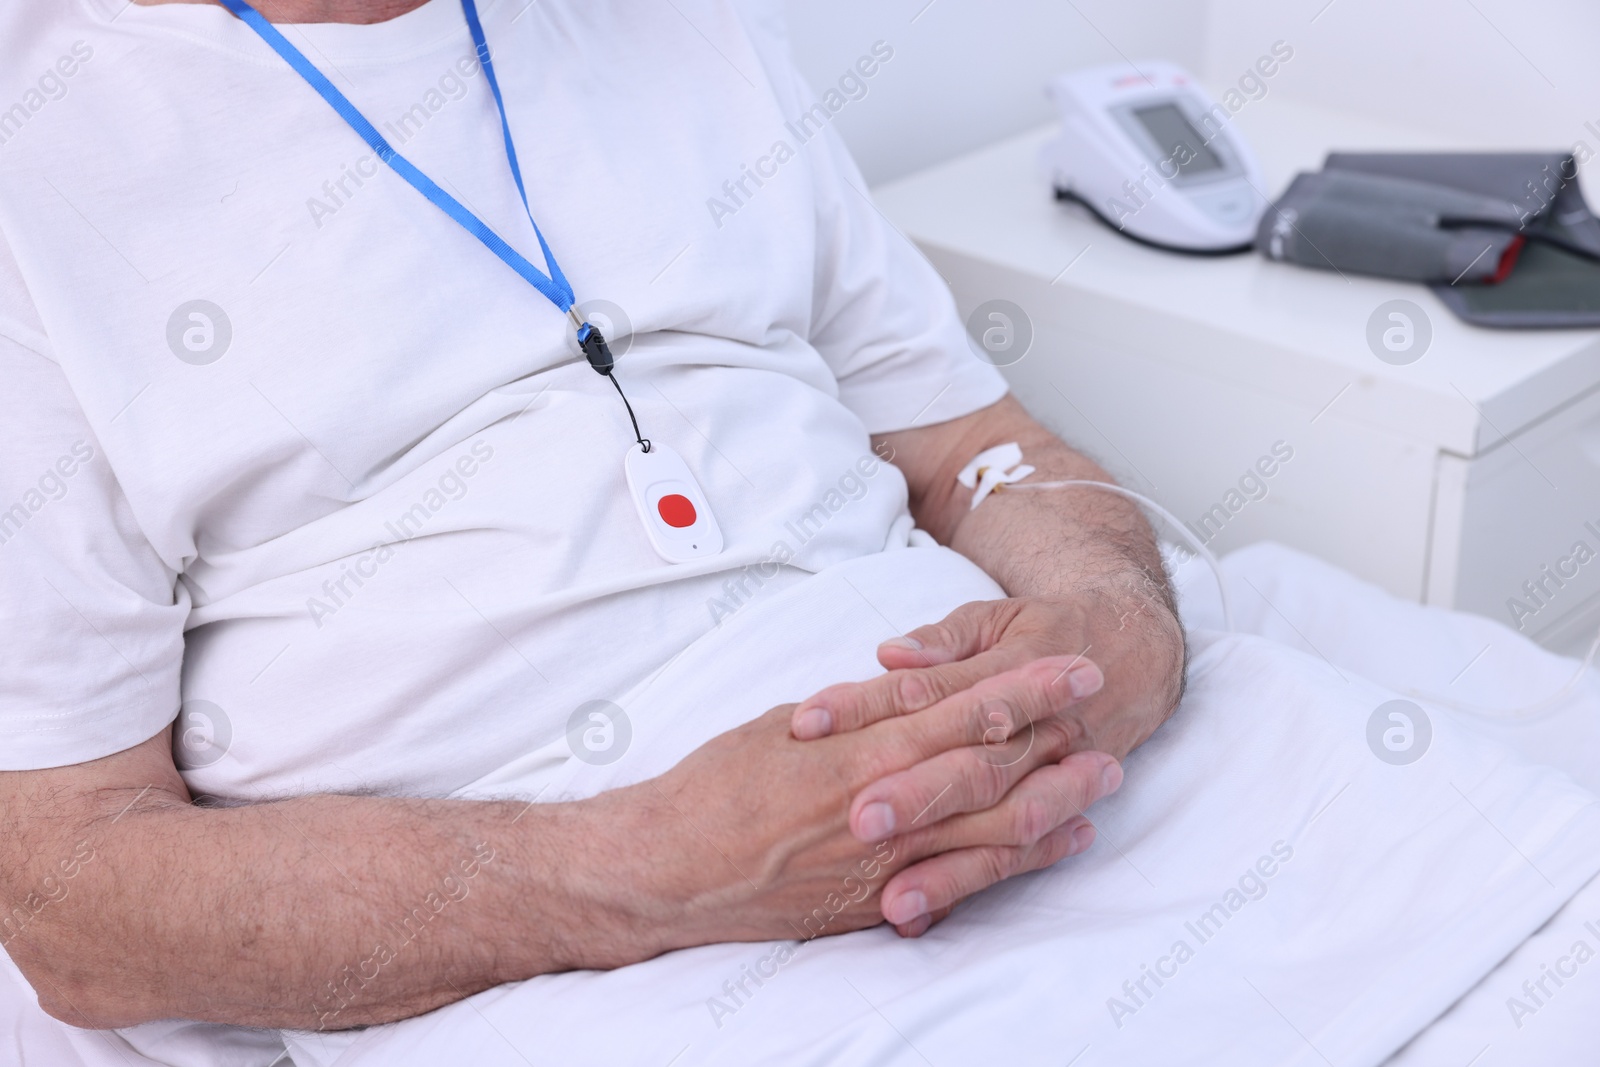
1311,605
1406,887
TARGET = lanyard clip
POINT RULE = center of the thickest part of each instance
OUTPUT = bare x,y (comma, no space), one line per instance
593,343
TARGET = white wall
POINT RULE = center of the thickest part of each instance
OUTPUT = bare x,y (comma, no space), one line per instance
967,72
1509,73
1512,73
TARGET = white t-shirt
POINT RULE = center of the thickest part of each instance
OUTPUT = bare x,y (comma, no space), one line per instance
282,444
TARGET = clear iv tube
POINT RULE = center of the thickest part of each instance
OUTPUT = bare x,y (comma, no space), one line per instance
1526,713
1172,520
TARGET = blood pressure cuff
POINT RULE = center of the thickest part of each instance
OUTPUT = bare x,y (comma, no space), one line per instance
1556,279
1456,220
1392,227
1543,185
1551,288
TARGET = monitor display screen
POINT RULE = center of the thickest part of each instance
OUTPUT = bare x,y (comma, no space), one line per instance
1178,140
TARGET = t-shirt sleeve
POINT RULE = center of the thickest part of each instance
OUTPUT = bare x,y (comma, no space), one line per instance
93,645
882,317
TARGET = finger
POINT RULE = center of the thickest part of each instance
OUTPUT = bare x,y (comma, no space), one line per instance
966,834
967,752
978,778
853,705
985,738
920,925
976,640
941,882
1048,798
968,630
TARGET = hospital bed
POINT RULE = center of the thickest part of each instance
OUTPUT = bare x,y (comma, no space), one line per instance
1265,890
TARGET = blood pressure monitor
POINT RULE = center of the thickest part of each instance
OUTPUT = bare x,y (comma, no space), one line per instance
1153,156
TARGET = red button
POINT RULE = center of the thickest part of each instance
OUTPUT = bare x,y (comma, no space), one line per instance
676,510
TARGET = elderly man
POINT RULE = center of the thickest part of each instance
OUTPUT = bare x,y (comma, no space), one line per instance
326,549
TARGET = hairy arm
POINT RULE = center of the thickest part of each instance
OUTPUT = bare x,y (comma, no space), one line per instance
128,902
1033,543
1087,553
1087,600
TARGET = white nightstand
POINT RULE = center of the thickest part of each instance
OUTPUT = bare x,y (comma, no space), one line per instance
1452,480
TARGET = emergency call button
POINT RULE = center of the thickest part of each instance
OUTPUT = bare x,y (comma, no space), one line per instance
676,516
676,510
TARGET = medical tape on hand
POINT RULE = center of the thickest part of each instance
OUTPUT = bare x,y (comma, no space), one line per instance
1001,467
992,468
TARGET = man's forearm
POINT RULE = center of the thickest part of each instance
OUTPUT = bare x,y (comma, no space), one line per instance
1090,546
1039,543
320,912
339,911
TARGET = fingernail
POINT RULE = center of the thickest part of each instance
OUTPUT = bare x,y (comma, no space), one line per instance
812,723
876,821
1085,680
910,643
905,907
1110,778
1082,838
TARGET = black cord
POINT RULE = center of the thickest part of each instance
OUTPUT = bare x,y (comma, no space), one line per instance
1230,250
643,443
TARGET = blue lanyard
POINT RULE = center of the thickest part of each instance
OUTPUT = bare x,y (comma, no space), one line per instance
554,286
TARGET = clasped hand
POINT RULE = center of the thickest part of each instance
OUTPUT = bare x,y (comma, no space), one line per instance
973,759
